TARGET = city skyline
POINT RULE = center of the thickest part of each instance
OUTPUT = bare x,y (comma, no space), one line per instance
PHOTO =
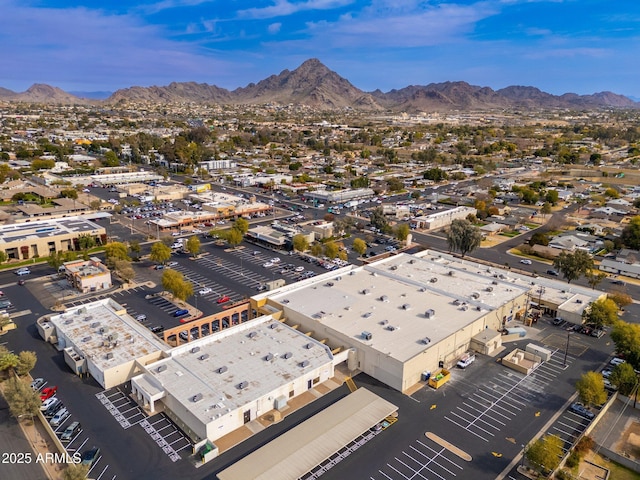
558,46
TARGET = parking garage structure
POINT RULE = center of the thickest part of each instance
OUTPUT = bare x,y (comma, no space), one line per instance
214,385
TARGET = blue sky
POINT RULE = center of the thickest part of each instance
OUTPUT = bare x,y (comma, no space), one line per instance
559,46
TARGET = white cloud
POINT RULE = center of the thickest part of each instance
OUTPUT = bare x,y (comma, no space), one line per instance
274,28
283,8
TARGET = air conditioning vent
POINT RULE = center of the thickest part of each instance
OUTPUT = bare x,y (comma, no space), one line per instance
273,326
268,357
425,341
384,298
287,355
204,356
196,398
161,368
489,289
195,349
243,385
304,363
406,306
430,313
95,324
109,356
222,369
309,346
252,334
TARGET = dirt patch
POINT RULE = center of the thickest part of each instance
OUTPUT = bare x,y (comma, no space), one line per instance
629,443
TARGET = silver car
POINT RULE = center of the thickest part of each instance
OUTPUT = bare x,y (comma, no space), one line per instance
59,417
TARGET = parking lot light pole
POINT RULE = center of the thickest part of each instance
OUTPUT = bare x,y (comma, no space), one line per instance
566,349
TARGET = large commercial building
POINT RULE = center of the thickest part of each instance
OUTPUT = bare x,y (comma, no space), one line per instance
410,314
21,241
216,384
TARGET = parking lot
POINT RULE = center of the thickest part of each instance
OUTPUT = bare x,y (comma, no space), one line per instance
423,458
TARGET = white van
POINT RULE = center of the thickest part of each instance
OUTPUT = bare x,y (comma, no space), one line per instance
466,360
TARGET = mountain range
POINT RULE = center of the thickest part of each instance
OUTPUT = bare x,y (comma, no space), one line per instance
313,84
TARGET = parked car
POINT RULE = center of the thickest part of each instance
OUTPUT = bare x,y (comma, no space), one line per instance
5,304
157,329
172,264
48,392
48,403
90,456
581,410
616,361
526,261
617,282
205,290
553,273
141,318
557,321
158,267
180,312
70,432
37,383
54,408
59,417
224,299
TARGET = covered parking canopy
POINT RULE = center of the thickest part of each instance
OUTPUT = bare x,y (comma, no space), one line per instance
305,446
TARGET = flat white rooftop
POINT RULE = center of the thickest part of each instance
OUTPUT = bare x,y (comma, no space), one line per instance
231,368
402,300
48,228
106,334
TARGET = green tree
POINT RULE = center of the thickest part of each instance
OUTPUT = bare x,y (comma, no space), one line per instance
69,193
8,360
86,242
110,159
621,299
300,243
115,251
193,246
626,337
124,270
26,361
378,220
56,259
435,174
331,250
234,237
75,471
134,248
22,400
551,197
359,246
546,208
630,236
591,390
242,225
601,312
545,453
402,231
573,265
175,283
463,236
3,257
160,253
394,184
316,249
594,278
624,377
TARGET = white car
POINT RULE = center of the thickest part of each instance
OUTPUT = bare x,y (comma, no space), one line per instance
299,269
526,262
267,265
59,417
172,264
23,271
205,290
275,260
47,403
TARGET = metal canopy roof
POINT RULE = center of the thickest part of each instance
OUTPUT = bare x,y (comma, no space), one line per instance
299,450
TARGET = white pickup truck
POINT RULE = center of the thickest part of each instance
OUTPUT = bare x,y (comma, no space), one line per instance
466,360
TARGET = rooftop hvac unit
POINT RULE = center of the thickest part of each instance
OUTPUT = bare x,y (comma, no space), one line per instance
243,385
394,267
273,325
434,279
478,307
352,272
406,306
195,349
578,301
450,273
489,289
161,368
384,298
391,328
430,313
475,295
367,335
425,341
196,398
456,302
86,339
109,356
329,284
222,369
268,357
304,363
494,282
204,356
309,346
287,355
412,261
95,324
365,292
252,334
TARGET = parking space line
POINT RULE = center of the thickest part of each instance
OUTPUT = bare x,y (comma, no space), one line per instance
416,472
437,454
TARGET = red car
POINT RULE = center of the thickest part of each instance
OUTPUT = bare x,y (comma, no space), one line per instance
48,392
224,298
